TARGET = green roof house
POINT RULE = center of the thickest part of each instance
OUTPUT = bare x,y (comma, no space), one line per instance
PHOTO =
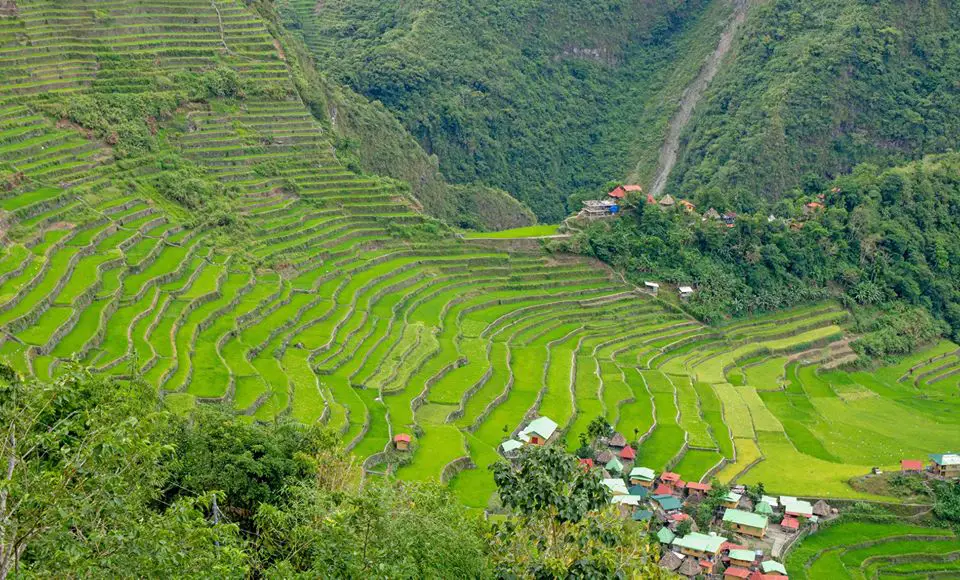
614,466
743,558
772,566
665,535
746,522
539,431
644,515
668,503
763,508
642,476
699,545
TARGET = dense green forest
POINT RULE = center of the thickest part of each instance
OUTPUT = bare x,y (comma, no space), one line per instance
817,87
541,99
886,240
103,481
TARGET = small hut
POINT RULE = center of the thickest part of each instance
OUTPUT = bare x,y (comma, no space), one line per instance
821,509
667,201
670,561
401,441
690,568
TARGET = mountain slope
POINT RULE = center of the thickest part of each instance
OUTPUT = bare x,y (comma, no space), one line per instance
542,99
817,87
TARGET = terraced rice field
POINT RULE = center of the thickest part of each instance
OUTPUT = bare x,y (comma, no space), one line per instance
331,311
871,550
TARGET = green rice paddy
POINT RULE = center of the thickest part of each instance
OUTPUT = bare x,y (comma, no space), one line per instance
323,314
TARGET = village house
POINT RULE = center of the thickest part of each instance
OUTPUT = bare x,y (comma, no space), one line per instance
729,218
510,447
663,489
711,214
742,558
687,206
697,489
771,501
539,431
616,486
763,508
401,441
621,191
614,466
946,465
812,207
668,503
586,463
642,515
669,479
798,508
746,523
790,524
735,572
691,568
822,509
617,441
761,576
911,466
671,561
731,500
652,287
667,202
685,292
594,209
699,545
639,490
628,454
772,567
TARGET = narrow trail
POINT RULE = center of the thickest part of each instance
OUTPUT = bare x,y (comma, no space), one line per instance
692,95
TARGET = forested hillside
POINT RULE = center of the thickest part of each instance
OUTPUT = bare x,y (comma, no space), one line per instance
542,99
816,87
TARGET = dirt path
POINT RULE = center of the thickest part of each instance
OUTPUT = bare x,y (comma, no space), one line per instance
691,96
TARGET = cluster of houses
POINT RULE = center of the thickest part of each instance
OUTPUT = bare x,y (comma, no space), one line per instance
736,545
742,528
736,550
942,466
611,206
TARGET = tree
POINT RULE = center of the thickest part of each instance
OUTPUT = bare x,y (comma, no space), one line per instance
387,530
563,525
599,428
547,480
684,527
250,463
756,492
84,458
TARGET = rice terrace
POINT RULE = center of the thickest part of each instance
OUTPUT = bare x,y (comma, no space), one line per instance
312,290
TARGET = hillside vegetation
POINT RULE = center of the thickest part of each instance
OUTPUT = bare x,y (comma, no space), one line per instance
176,214
817,87
542,99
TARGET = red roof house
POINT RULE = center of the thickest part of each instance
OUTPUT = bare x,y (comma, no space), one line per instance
401,441
761,576
736,572
790,523
663,490
628,453
911,465
619,192
669,477
697,486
